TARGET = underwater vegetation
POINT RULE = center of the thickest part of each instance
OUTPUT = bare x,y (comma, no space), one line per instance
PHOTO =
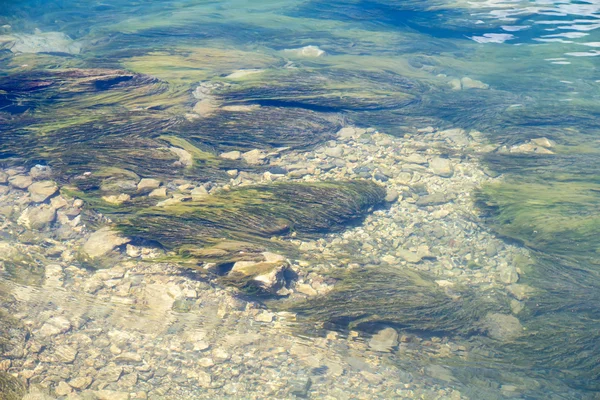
125,108
254,214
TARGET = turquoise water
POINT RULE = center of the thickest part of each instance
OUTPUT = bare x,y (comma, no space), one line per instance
512,70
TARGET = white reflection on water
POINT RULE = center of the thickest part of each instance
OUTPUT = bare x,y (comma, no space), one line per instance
578,18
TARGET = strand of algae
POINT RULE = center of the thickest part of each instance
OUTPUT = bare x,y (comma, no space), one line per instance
255,213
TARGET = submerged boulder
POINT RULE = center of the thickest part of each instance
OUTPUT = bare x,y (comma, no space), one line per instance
41,190
503,327
102,242
306,51
266,276
41,42
37,217
384,340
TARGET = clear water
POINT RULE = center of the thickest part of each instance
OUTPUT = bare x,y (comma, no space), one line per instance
391,65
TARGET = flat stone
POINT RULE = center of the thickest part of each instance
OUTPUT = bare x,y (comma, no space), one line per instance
102,242
441,167
231,155
306,51
110,373
20,181
254,157
409,256
117,199
185,157
273,257
129,358
530,148
65,354
242,73
306,289
391,196
206,362
37,217
206,107
204,379
54,326
41,190
384,340
45,42
456,135
160,192
415,158
503,327
268,276
128,381
38,172
63,389
336,151
468,83
544,142
264,316
433,199
81,382
347,133
147,184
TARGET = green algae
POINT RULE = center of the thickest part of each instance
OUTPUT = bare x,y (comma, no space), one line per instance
254,214
552,216
403,298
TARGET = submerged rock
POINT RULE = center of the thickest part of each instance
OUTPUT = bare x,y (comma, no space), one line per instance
41,190
434,199
268,276
37,217
391,196
102,242
306,51
40,172
254,157
48,42
117,200
231,155
441,167
530,148
384,340
503,327
409,256
148,184
20,181
469,83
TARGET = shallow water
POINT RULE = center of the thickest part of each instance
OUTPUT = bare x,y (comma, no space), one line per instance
488,274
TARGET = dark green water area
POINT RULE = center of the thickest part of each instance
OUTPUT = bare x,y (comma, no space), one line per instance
108,100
